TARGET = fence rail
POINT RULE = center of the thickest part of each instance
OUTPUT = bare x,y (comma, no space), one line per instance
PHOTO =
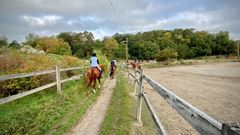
58,81
203,123
22,75
199,120
160,128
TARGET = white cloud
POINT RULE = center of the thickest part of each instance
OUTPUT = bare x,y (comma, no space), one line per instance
133,16
83,20
209,21
101,33
42,21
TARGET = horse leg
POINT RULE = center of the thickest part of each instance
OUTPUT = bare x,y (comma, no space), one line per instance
88,87
99,83
94,86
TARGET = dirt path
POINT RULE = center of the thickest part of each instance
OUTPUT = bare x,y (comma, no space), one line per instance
91,122
213,88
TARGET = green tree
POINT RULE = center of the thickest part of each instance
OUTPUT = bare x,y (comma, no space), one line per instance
14,44
183,52
165,54
31,39
3,41
224,45
120,53
98,44
81,43
110,46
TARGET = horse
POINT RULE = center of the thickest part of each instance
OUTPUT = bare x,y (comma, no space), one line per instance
136,65
112,71
93,74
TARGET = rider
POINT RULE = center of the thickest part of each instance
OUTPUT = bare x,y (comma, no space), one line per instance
94,63
113,64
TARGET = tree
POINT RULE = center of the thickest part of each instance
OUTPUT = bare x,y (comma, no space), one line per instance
53,45
98,44
3,41
110,46
144,50
183,52
14,44
149,50
81,43
165,54
166,43
31,39
223,43
120,52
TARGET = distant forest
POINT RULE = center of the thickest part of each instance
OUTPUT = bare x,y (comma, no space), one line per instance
157,45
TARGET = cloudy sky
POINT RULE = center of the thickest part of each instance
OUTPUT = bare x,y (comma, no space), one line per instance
50,17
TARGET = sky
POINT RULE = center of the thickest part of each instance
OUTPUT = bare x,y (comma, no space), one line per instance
50,17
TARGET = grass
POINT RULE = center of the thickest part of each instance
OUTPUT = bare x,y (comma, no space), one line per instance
119,116
148,126
45,112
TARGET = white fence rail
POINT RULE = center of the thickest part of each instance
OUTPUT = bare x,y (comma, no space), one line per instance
58,81
199,120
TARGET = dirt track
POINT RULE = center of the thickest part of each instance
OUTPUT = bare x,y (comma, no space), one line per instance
212,88
91,122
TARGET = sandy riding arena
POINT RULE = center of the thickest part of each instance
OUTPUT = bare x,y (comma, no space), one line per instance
212,88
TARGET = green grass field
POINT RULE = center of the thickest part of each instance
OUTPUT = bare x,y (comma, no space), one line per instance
46,112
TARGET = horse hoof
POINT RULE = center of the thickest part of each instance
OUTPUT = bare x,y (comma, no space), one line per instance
94,91
99,86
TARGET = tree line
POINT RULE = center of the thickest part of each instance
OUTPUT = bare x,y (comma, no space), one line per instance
157,44
178,43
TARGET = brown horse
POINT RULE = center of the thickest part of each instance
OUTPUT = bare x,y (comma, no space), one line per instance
112,71
136,65
93,74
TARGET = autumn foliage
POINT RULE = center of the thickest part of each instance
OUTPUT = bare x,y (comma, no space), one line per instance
53,45
13,62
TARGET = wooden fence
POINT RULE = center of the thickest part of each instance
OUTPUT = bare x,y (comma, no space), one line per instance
58,82
199,120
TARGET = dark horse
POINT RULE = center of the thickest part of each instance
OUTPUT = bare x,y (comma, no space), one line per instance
93,74
112,71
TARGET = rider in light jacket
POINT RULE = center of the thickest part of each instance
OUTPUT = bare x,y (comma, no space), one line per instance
94,63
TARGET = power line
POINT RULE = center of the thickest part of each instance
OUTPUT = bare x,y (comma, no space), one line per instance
114,11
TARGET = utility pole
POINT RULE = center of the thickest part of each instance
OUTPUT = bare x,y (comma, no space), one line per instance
126,49
238,49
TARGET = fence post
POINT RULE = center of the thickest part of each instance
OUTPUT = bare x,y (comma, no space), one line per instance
135,80
83,73
58,80
128,74
139,113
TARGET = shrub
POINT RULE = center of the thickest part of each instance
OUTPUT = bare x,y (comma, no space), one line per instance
54,45
15,62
